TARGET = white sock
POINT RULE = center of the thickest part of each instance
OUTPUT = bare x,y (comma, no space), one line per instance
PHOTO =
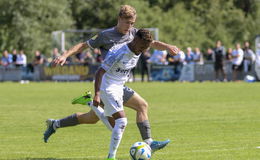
100,113
56,125
148,141
116,137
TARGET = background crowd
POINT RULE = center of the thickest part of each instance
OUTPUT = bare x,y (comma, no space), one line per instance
241,57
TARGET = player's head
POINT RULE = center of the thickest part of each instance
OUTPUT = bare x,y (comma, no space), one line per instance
238,46
246,44
218,43
142,41
126,18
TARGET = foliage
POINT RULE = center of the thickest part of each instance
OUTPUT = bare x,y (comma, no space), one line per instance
27,24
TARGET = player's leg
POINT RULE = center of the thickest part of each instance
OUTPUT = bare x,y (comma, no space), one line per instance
217,75
72,120
148,66
113,107
101,115
75,119
234,72
87,118
117,133
97,112
134,101
69,121
223,74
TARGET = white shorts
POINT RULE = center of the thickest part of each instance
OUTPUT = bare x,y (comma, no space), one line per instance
113,101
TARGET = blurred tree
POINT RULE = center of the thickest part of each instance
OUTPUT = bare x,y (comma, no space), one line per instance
95,14
28,24
181,27
221,20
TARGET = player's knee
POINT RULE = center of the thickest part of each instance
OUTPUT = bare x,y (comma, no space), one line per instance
87,118
79,114
143,106
122,122
92,121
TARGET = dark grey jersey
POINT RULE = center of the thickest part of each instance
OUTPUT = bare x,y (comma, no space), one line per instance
108,38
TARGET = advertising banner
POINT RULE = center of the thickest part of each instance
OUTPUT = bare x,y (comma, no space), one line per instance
162,73
187,73
69,72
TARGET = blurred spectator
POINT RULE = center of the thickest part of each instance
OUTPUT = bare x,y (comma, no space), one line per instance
209,55
189,56
69,59
21,59
249,57
198,56
55,53
179,60
14,56
158,57
38,58
145,68
180,57
229,54
97,54
79,57
89,59
219,56
6,59
237,59
170,59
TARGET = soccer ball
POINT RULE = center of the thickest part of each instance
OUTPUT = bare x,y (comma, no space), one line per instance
140,151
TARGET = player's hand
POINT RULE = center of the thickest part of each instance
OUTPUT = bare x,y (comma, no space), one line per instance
173,50
59,60
96,100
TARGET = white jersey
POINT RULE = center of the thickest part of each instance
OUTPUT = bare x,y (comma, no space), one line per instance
238,60
118,64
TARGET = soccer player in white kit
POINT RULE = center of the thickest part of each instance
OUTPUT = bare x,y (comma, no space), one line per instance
123,32
110,80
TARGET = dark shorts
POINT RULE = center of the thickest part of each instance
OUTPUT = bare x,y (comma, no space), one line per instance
128,93
219,66
237,67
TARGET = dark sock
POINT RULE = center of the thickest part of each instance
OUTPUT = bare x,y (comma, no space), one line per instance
145,129
71,120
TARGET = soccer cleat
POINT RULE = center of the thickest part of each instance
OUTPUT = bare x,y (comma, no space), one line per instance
49,131
86,98
156,145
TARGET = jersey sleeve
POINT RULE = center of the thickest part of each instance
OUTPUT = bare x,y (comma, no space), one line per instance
96,41
110,60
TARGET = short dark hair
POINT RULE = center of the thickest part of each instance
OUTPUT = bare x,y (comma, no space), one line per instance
145,35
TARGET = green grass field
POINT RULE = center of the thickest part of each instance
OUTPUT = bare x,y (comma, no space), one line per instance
205,121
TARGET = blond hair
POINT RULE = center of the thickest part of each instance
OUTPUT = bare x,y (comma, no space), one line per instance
127,11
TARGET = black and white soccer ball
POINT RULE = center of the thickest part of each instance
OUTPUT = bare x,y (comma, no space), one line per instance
140,151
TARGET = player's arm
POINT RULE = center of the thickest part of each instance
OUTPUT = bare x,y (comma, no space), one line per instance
173,50
235,56
105,66
74,50
98,80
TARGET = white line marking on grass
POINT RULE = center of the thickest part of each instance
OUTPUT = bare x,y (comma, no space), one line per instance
258,147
